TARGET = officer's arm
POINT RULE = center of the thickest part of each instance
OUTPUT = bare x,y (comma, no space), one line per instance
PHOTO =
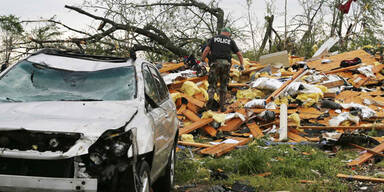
205,53
240,56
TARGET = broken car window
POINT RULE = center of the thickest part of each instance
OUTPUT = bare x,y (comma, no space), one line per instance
35,82
150,86
162,88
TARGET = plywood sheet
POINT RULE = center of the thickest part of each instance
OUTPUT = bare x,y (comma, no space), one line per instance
336,59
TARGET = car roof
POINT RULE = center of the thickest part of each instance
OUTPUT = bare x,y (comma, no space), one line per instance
76,61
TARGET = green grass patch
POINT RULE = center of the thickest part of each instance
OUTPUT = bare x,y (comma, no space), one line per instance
287,164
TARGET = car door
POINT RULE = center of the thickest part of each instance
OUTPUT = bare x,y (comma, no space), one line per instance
158,115
167,104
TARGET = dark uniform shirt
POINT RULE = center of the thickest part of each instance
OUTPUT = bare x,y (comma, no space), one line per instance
221,47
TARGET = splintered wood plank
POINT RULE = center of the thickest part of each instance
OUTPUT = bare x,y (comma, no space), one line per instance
276,111
255,130
252,69
193,126
221,149
361,178
200,97
182,109
336,60
193,100
343,69
339,127
210,130
170,67
279,90
296,137
178,84
287,73
366,149
232,85
313,139
309,113
240,134
330,95
364,157
362,82
193,107
333,84
193,144
232,125
191,115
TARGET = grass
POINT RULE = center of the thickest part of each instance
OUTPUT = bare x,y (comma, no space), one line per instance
287,164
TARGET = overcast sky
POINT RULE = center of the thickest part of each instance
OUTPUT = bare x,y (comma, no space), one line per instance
36,9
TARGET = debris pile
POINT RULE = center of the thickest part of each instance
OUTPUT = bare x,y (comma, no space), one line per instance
317,100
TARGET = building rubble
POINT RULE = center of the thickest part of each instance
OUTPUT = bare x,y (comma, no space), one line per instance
314,101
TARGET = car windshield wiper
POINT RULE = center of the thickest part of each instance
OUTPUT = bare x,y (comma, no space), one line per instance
10,99
81,100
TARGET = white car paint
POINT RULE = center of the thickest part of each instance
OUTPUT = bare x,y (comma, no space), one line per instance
92,118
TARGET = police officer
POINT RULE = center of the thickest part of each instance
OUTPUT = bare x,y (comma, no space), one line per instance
220,48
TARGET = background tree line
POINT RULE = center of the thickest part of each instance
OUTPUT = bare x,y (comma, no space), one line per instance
165,30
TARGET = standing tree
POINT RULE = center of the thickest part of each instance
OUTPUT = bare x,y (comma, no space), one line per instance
309,23
175,27
252,31
11,31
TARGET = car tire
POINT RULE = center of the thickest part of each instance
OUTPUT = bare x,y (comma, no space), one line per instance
127,182
143,180
166,181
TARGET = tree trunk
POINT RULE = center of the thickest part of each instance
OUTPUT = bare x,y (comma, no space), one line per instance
285,25
249,2
269,20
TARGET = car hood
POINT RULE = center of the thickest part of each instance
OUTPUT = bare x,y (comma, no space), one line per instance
89,118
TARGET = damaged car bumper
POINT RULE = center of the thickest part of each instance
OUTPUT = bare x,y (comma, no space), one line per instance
27,183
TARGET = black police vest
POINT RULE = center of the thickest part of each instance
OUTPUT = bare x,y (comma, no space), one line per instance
221,47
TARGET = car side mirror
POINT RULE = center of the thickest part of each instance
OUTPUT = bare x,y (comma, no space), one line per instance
3,67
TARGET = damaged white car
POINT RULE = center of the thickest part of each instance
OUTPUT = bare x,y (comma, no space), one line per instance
73,122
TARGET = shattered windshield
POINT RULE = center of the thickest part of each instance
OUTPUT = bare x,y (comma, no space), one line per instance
35,82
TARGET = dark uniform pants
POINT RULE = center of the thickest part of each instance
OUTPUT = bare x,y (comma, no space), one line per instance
218,73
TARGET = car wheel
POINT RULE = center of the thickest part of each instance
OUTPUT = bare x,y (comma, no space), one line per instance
165,182
127,181
142,181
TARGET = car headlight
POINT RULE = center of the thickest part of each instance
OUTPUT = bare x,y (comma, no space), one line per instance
96,158
111,144
119,148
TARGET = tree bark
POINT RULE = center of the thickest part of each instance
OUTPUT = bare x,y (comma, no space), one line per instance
268,33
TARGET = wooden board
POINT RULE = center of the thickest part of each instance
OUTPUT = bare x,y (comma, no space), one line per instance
336,60
193,107
191,115
170,67
296,137
177,84
361,178
364,157
210,130
255,130
193,100
221,149
381,127
193,126
309,113
333,84
193,144
366,149
279,90
231,125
